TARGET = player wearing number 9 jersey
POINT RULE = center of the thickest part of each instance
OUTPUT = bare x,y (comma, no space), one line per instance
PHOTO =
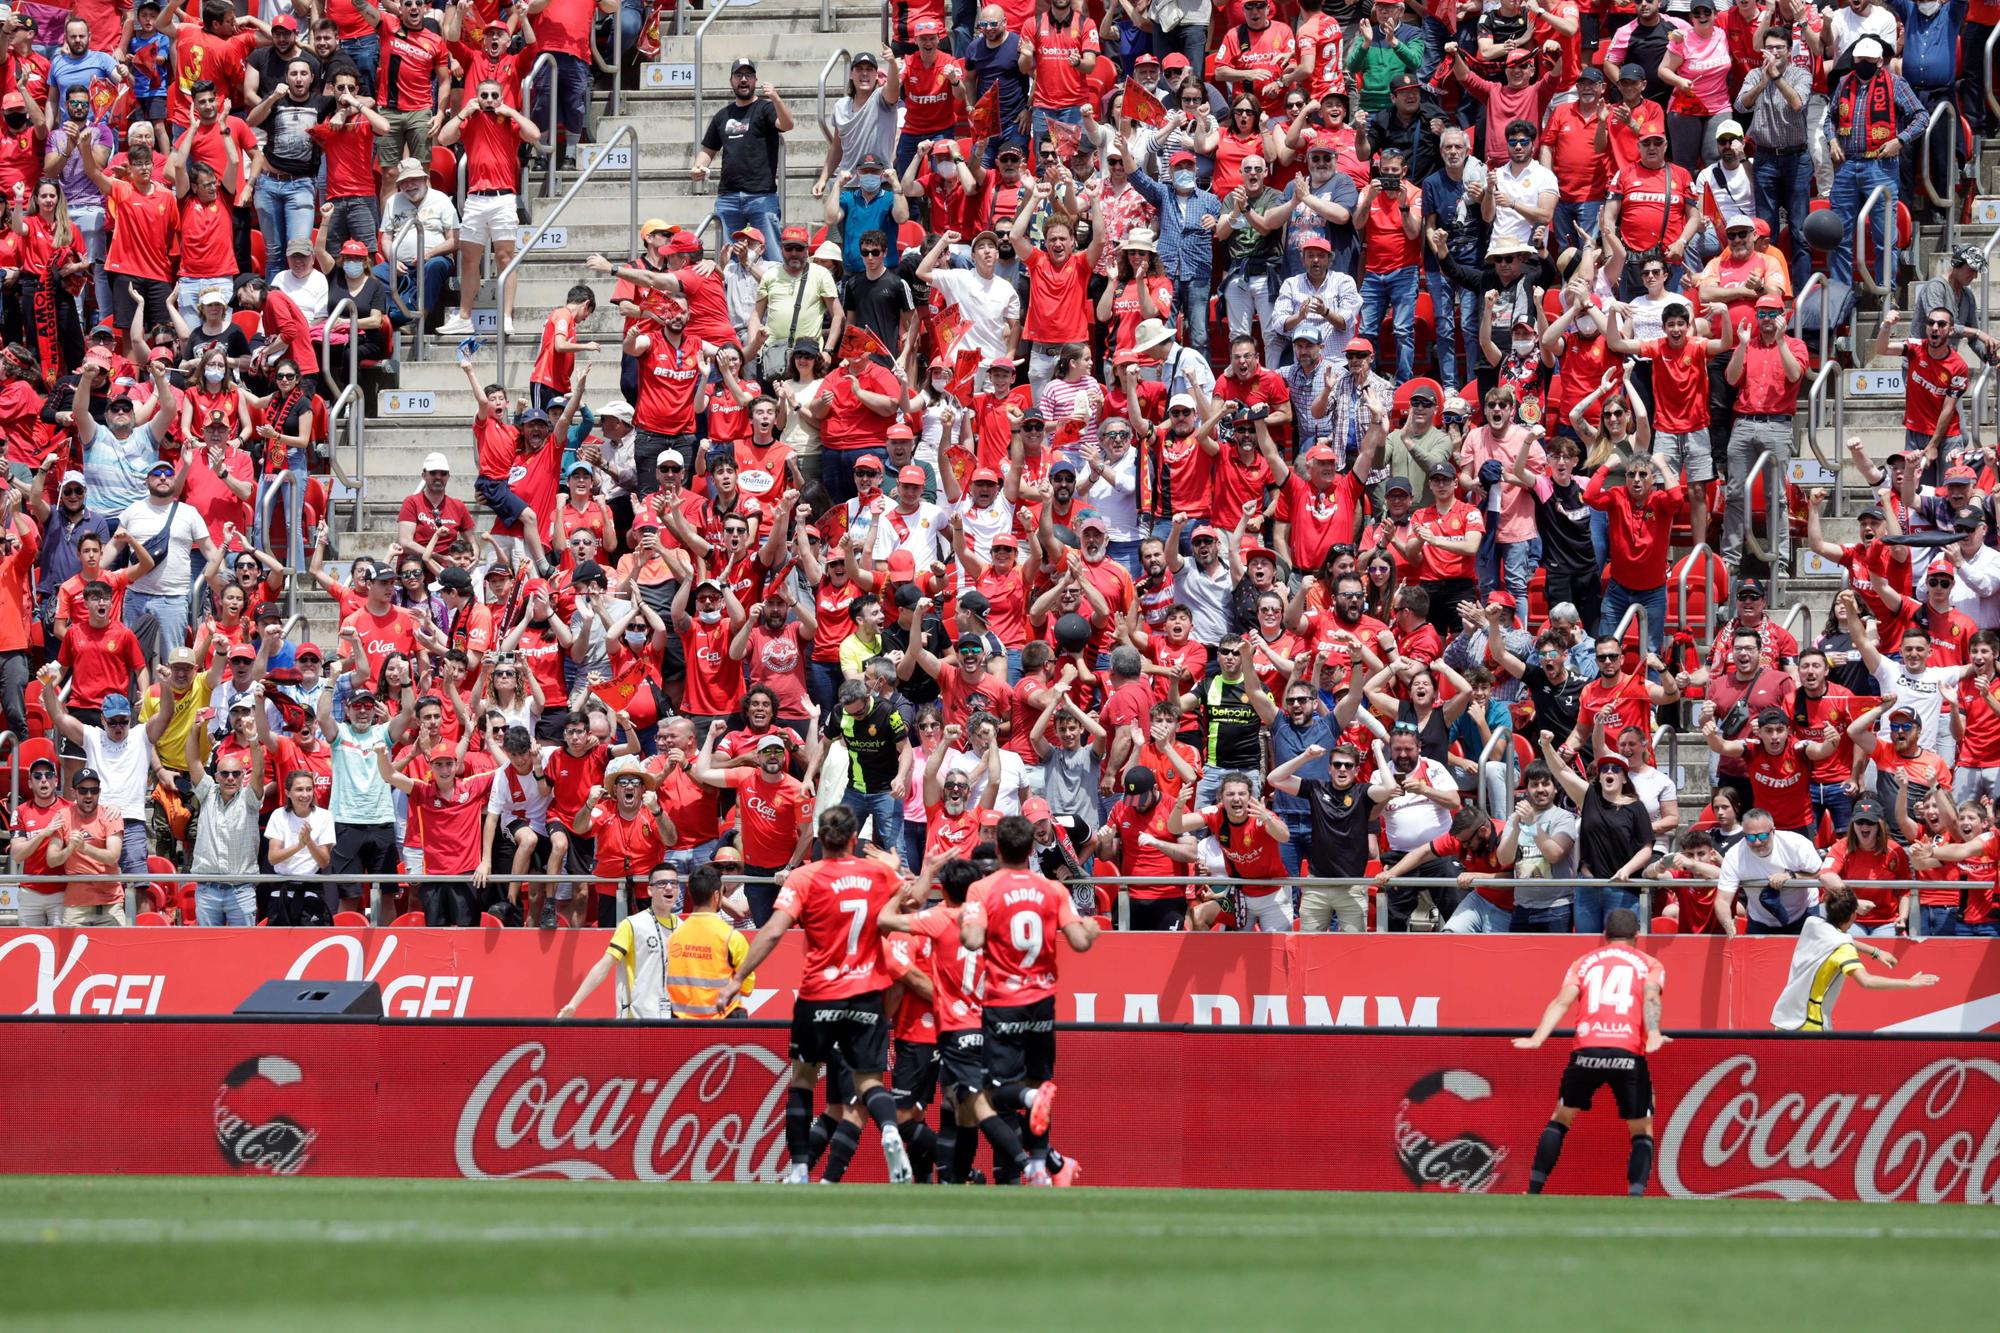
1013,917
835,901
1620,988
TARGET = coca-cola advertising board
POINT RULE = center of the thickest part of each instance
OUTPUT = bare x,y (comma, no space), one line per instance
1858,1118
1389,981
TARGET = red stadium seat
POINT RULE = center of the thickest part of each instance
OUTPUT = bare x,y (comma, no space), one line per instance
409,919
1706,586
488,919
1665,925
349,919
149,919
1823,831
184,904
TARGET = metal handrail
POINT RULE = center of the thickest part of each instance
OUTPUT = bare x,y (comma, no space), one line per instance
1688,566
1673,748
825,70
826,15
1503,736
348,307
291,484
1978,396
721,238
716,9
1803,614
615,104
348,410
1817,282
1868,282
628,134
458,189
555,89
1750,542
1986,269
1986,75
418,315
1624,621
13,742
1943,111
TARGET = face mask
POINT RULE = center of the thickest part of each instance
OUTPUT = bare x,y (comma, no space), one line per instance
1863,69
870,183
1928,8
213,374
1184,181
353,268
940,381
709,617
1586,325
1524,344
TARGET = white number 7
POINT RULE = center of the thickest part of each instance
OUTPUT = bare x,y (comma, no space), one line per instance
858,909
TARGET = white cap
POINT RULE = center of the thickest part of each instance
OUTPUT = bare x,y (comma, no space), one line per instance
72,478
617,407
1184,400
213,296
436,462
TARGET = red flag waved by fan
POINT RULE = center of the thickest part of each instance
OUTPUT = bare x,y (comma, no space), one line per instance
964,366
986,114
1067,137
1141,106
858,342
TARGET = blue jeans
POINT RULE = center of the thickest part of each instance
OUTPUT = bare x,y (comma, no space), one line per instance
1190,39
915,836
572,97
1399,291
1479,916
887,811
1209,788
1938,922
762,211
1540,921
1572,223
1853,181
88,221
225,904
685,861
1783,181
170,612
366,53
1832,797
435,270
1618,597
1295,853
1456,310
823,684
1126,554
1191,295
1520,560
1593,904
284,209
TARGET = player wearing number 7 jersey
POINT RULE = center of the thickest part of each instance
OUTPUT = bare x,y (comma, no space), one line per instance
1013,917
1619,1027
835,900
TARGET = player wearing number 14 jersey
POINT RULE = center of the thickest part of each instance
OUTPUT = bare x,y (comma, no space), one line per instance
1619,1027
1012,917
839,1009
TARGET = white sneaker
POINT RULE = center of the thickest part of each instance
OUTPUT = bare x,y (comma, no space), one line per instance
507,326
1036,1174
455,327
796,1174
895,1155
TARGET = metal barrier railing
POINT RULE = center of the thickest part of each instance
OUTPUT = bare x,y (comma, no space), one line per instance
1693,561
1972,425
1942,112
1986,269
1817,283
348,413
1866,278
1636,611
716,9
627,134
1986,75
615,103
293,486
1671,737
1750,539
554,149
1802,614
421,265
346,309
845,59
1503,737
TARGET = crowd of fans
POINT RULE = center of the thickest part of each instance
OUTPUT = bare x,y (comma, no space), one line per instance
1051,468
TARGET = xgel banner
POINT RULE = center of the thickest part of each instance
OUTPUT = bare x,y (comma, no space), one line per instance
1350,981
1774,1117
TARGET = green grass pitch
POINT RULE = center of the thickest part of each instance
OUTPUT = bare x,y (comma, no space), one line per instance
96,1253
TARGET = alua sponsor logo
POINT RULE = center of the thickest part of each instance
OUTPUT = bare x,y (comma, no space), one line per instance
1933,1138
719,1116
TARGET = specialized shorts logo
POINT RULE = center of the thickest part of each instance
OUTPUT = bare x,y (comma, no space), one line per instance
252,1125
1433,1141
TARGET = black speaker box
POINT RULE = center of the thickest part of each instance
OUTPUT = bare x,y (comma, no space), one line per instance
315,999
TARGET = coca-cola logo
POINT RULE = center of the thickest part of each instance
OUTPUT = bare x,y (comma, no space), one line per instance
1934,1138
255,1124
1436,1147
719,1116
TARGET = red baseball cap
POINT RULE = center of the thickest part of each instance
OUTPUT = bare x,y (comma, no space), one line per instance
1034,809
793,236
1959,475
444,751
1361,345
985,474
1174,60
1770,301
312,650
902,565
684,243
911,475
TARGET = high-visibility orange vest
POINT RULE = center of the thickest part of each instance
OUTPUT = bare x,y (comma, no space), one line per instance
702,955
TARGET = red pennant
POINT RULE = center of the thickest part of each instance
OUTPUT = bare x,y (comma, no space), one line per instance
964,366
986,114
1711,209
1068,432
1067,137
1141,106
857,341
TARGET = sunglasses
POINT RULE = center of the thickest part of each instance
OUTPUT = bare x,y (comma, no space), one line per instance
1610,657
870,250
87,791
1340,763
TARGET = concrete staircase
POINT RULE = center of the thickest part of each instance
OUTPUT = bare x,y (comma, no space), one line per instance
791,50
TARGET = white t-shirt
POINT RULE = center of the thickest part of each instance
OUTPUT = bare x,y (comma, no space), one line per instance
1524,186
1117,498
916,533
172,576
986,304
284,826
516,795
1413,819
122,770
1817,942
309,292
1923,690
1791,853
1844,28
983,525
1013,776
1655,791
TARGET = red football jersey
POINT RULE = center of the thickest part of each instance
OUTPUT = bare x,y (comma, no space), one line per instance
1022,914
1612,985
913,1019
571,777
958,976
835,902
